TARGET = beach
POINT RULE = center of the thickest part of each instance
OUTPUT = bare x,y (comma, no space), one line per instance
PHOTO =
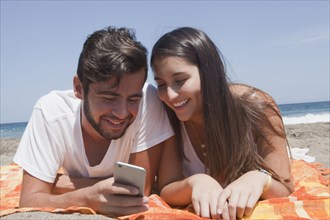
315,137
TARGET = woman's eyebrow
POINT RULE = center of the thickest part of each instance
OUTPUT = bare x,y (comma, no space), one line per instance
175,74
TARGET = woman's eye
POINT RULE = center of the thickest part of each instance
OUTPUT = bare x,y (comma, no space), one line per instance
160,85
181,81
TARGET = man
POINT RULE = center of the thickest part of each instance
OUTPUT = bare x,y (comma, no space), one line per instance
111,115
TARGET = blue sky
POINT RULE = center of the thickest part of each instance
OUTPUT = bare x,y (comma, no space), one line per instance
281,47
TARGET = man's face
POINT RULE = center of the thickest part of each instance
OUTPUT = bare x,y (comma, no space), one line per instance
109,109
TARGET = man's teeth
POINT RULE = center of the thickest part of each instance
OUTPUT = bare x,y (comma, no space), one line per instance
115,123
180,103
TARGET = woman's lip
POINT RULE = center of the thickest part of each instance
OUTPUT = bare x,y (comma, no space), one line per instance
181,103
181,107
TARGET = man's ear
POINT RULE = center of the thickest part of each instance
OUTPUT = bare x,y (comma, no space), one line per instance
78,87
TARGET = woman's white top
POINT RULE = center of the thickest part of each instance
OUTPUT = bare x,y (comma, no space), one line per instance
191,163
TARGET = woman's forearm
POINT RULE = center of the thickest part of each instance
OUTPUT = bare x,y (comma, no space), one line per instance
177,193
275,190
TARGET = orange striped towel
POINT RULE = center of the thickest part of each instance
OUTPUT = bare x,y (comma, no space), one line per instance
310,200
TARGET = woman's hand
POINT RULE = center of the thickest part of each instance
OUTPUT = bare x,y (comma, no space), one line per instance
243,194
205,196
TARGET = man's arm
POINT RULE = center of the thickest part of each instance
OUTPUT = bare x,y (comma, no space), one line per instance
64,183
148,159
102,197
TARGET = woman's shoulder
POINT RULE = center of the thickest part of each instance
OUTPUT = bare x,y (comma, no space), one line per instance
240,89
250,92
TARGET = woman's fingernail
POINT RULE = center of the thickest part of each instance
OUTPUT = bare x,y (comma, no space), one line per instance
145,199
219,211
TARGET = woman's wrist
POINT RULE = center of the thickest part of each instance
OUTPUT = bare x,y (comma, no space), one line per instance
191,180
269,179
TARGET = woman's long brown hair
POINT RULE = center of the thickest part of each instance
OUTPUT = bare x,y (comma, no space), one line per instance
234,124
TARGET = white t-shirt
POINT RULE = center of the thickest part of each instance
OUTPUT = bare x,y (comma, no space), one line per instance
191,164
53,137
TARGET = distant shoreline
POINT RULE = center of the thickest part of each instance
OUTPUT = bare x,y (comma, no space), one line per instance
314,136
297,103
7,123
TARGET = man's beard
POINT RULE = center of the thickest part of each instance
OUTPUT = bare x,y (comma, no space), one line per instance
98,127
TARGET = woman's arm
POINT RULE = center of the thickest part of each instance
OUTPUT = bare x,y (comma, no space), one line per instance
278,159
244,192
200,190
170,167
173,188
149,160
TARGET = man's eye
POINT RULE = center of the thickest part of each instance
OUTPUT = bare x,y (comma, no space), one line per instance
135,100
109,99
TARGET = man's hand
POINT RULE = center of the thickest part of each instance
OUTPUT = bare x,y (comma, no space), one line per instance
117,199
104,197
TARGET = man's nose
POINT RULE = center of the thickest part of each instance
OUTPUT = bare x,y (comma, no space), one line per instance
120,110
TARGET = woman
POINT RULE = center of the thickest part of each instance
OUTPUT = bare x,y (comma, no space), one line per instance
231,136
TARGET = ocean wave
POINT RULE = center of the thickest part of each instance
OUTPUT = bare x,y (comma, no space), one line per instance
306,119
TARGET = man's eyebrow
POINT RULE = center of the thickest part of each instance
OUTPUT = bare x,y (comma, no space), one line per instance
106,93
139,95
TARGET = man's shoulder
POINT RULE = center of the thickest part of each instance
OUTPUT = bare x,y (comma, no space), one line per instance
56,97
150,91
57,103
150,104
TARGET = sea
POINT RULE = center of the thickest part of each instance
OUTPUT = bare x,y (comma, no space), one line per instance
297,113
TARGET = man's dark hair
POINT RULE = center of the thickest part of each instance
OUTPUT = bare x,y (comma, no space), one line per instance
110,52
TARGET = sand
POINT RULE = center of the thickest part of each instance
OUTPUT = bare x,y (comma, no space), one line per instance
315,137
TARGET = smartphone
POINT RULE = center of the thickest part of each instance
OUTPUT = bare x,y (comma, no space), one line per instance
129,174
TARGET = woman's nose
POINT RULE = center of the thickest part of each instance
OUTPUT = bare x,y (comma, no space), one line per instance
171,93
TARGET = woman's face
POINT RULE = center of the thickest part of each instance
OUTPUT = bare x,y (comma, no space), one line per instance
179,87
